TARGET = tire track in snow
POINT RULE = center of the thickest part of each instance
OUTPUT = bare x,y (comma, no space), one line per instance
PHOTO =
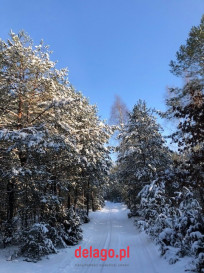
108,228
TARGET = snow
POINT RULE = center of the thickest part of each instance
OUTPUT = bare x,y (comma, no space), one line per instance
43,227
109,228
166,232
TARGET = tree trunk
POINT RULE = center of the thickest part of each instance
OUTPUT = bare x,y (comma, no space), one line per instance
75,198
20,106
10,192
83,198
68,201
92,201
87,199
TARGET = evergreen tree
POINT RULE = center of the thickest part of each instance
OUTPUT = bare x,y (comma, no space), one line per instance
53,150
187,105
142,154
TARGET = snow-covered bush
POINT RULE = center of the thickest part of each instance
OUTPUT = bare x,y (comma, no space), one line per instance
199,262
43,238
133,211
83,216
175,223
154,208
10,234
72,227
188,224
66,229
36,242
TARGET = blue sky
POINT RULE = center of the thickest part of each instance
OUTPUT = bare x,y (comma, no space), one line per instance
109,46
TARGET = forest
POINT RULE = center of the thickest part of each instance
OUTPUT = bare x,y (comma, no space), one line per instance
56,160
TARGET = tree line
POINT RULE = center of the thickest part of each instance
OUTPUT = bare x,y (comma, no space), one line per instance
54,158
165,188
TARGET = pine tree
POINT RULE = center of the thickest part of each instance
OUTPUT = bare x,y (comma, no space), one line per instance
187,105
53,156
142,154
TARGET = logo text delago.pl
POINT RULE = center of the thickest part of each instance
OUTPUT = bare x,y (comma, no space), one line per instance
103,253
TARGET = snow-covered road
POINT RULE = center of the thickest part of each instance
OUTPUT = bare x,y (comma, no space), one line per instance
109,228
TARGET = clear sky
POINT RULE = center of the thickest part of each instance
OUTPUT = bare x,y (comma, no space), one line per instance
109,46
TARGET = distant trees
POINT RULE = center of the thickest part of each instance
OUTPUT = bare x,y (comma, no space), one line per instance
53,157
119,112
